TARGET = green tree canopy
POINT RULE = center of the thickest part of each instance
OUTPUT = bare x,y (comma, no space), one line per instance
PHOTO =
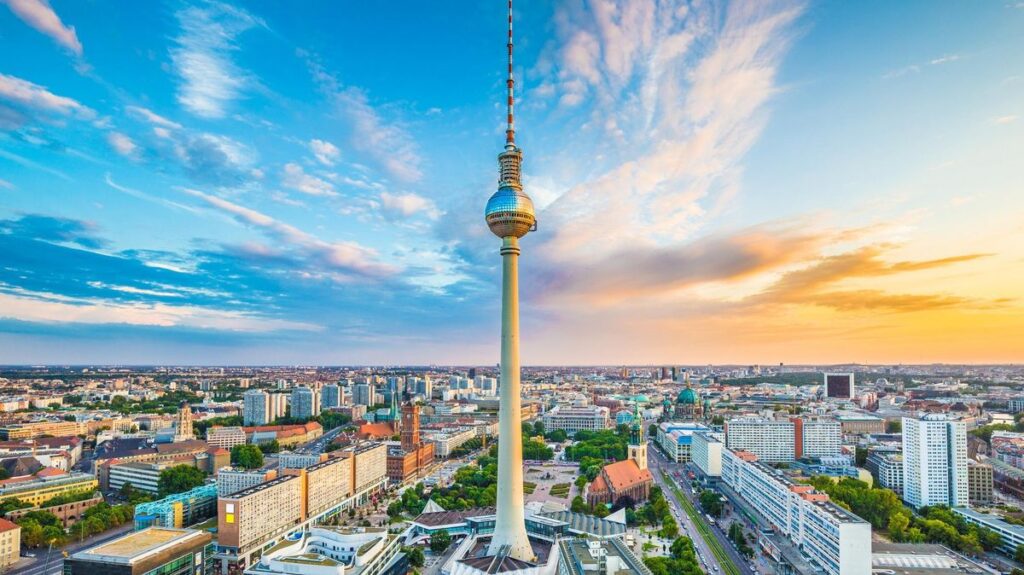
247,455
179,479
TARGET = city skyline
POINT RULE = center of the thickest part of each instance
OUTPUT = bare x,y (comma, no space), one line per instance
788,182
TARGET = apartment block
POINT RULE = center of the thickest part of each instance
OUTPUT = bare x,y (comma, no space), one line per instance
979,483
706,452
232,480
771,441
934,461
248,518
832,538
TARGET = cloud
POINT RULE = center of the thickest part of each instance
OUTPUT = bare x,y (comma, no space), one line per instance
122,144
214,159
349,259
1008,119
297,179
387,142
6,185
326,153
39,15
37,97
152,117
408,204
209,78
944,59
53,230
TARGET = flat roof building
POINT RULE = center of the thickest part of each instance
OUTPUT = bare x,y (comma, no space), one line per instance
156,549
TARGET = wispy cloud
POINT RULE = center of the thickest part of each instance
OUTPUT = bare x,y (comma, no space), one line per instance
408,204
326,153
1007,119
297,179
37,97
40,15
122,144
152,117
349,259
210,79
916,68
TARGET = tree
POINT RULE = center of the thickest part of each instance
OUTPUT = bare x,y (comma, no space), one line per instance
179,479
578,505
669,527
652,430
710,502
440,541
1018,554
248,456
415,555
127,490
894,426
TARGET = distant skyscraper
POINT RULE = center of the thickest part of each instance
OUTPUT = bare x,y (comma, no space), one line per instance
364,394
510,216
305,403
934,461
472,373
839,385
330,396
256,407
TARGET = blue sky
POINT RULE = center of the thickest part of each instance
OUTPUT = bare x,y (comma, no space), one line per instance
206,182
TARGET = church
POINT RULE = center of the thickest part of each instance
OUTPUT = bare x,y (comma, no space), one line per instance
629,478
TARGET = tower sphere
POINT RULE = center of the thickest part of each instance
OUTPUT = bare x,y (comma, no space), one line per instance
509,213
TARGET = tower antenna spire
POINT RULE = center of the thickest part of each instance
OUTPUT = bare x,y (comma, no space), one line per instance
510,131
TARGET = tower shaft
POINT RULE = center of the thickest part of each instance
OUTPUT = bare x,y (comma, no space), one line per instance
510,524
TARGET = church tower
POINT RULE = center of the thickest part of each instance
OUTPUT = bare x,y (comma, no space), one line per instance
183,431
637,443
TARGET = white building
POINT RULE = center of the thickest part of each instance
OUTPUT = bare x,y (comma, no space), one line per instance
890,472
573,419
256,407
226,437
305,403
770,440
818,437
232,480
834,539
278,405
332,551
446,442
706,452
934,461
676,439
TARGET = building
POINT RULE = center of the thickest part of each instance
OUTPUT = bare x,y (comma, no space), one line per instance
286,435
934,461
305,403
1016,405
298,460
336,551
226,437
629,480
772,441
41,428
573,419
409,460
325,481
979,483
143,476
247,519
832,538
887,469
10,543
817,437
860,423
183,424
278,405
369,465
330,396
67,513
46,485
364,394
179,510
706,450
153,550
839,385
1011,534
256,407
582,556
232,480
675,439
446,441
688,405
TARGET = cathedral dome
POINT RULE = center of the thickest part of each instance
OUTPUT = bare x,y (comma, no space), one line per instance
687,396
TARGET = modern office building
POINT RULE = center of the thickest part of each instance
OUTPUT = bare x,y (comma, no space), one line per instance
675,439
573,419
584,556
706,453
839,385
226,437
835,540
1016,405
330,396
934,461
256,407
305,403
364,394
179,510
150,551
772,441
979,483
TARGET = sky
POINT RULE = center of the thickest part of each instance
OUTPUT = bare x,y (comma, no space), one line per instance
303,183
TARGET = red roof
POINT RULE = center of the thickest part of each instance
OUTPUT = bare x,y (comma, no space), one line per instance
6,525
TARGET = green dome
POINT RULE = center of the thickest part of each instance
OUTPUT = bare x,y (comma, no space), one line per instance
687,396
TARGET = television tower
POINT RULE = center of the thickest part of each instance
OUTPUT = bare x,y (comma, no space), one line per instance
510,216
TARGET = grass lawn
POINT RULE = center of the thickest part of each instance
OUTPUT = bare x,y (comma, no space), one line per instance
560,489
528,487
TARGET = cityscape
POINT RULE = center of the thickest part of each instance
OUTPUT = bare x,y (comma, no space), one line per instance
750,303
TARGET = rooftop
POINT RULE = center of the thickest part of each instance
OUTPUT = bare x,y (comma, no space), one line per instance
137,546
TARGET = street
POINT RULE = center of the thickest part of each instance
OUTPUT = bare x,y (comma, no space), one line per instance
658,464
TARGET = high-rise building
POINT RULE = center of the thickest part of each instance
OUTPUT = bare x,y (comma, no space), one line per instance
817,437
839,385
934,461
330,396
771,441
305,403
364,394
278,405
256,407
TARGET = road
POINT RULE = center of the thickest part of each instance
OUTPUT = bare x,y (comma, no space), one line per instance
38,566
735,563
319,444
